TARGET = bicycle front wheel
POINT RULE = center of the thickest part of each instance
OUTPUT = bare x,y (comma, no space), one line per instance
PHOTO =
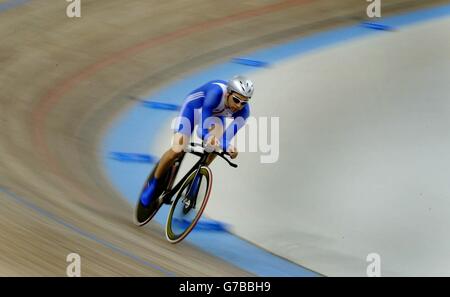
186,212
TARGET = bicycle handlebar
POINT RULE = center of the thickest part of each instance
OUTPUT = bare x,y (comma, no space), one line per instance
222,155
199,150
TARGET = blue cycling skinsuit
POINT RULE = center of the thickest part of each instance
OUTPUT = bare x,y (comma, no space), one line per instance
205,106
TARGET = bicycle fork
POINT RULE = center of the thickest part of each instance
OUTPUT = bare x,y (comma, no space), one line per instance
194,187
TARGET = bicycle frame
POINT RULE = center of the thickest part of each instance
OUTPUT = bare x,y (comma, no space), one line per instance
203,157
195,167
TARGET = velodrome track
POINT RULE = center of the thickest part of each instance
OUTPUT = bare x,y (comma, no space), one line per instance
64,80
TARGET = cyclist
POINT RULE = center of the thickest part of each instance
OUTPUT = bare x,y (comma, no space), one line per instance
207,106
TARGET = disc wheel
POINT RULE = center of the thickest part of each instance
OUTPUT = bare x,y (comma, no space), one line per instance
143,214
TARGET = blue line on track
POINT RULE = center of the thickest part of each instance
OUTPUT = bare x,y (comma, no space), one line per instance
376,26
249,62
160,105
12,4
132,157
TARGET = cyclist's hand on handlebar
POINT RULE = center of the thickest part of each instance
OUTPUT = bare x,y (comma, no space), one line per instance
212,144
232,151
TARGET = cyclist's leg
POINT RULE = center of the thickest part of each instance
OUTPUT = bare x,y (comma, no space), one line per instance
184,125
154,187
168,158
183,129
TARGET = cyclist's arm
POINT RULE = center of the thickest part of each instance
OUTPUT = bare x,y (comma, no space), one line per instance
240,118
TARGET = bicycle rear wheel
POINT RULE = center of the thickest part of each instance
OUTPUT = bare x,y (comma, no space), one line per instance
143,214
185,213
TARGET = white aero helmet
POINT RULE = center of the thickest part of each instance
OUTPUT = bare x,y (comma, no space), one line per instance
241,85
